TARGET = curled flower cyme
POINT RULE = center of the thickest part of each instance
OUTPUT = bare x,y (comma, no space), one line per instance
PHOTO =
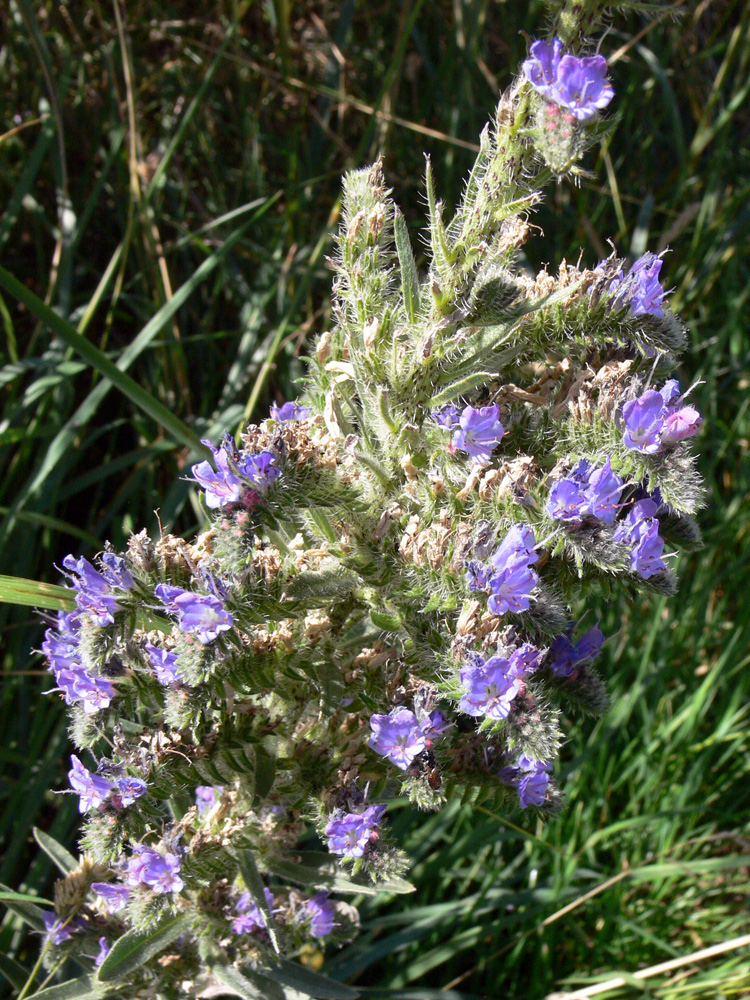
490,687
640,289
158,872
321,915
578,83
350,833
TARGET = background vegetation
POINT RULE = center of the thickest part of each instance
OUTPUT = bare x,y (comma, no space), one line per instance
169,184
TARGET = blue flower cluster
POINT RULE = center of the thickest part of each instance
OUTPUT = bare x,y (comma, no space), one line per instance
237,476
350,833
564,655
530,778
491,685
507,577
202,615
640,532
656,419
586,491
98,596
96,791
576,83
477,431
640,289
401,737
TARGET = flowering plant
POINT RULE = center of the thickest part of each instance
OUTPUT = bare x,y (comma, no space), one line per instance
385,598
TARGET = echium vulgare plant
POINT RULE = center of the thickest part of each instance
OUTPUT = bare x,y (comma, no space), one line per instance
389,598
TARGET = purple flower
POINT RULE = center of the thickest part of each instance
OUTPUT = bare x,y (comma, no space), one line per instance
603,493
478,575
582,85
128,790
640,531
541,68
644,420
250,918
490,687
681,424
104,949
640,289
93,595
670,391
566,500
160,872
164,663
93,692
530,778
221,486
446,417
321,914
200,614
289,411
516,549
577,83
397,736
524,659
508,577
532,788
588,646
350,833
478,432
259,469
115,571
205,797
113,895
564,655
56,931
511,590
92,789
435,724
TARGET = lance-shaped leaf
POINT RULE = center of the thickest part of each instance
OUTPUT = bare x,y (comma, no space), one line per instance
135,948
318,871
60,855
82,988
254,884
19,903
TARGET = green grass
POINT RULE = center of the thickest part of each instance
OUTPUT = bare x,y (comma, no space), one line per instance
189,251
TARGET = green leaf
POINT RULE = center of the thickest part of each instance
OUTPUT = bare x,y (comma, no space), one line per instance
28,912
254,884
135,948
14,590
248,984
82,988
316,870
22,897
16,975
99,361
265,771
62,857
409,276
388,621
321,987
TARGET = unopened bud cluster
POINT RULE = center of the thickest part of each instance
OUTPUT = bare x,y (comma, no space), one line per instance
389,596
